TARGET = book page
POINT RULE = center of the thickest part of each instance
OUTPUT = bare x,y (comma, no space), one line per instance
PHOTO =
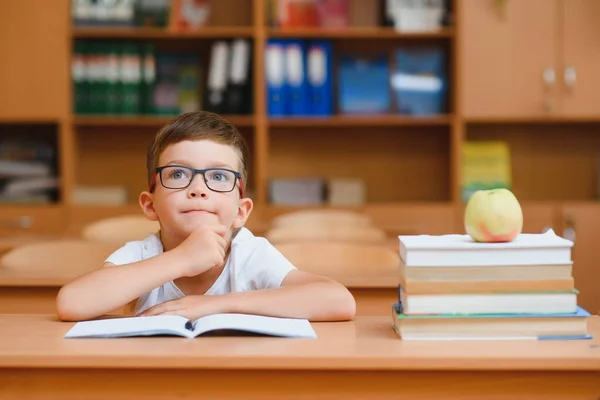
133,326
284,327
548,239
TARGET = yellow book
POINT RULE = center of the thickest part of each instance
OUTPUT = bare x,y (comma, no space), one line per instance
485,165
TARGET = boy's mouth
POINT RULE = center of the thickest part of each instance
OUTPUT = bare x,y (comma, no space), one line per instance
197,212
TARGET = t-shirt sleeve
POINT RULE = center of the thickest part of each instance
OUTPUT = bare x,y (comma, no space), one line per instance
131,252
266,267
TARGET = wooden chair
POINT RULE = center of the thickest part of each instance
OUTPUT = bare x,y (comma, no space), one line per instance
330,233
352,264
57,261
120,229
321,217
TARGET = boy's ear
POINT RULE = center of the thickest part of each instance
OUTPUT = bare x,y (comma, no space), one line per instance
147,203
244,210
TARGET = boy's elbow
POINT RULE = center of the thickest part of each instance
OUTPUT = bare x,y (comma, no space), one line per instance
345,308
66,307
349,308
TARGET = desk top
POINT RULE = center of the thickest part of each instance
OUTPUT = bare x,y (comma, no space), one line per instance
367,343
13,278
369,278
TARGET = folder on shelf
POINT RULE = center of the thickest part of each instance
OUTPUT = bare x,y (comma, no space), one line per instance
318,71
275,77
295,62
237,96
216,86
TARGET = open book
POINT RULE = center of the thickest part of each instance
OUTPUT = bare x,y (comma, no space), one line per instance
174,325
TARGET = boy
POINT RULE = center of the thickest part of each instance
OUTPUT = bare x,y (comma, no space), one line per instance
202,261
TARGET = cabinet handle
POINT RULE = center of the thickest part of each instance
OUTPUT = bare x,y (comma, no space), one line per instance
549,76
570,77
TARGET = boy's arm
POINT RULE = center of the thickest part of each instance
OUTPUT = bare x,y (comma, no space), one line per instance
107,289
302,295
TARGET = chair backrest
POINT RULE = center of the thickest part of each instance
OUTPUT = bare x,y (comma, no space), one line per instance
342,259
330,233
61,258
321,217
119,229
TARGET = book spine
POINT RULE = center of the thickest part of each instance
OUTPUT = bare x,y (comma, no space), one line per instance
482,286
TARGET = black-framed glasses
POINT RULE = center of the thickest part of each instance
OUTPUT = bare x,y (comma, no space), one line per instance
221,180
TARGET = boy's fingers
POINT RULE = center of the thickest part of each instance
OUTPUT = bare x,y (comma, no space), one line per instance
222,242
221,230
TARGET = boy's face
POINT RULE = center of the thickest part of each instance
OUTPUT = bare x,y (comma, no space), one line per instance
181,211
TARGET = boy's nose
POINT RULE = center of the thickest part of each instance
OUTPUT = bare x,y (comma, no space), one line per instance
198,187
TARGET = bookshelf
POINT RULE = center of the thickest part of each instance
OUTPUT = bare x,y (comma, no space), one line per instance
161,33
379,33
398,146
151,121
497,90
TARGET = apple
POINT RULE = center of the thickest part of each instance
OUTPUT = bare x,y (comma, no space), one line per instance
493,215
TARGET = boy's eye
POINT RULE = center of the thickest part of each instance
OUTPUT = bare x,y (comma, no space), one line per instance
178,173
219,176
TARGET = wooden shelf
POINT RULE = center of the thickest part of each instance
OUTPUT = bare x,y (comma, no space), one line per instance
30,206
159,33
28,121
358,33
534,120
153,121
350,120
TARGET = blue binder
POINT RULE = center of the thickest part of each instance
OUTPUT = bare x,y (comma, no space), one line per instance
275,78
319,77
295,60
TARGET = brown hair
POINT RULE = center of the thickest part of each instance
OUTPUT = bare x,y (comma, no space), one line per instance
197,125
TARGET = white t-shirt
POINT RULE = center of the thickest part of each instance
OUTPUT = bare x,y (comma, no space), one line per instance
253,264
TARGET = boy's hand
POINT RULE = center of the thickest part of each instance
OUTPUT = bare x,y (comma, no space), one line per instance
190,307
204,249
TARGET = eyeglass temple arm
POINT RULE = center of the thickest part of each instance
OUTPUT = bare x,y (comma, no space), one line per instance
152,183
241,188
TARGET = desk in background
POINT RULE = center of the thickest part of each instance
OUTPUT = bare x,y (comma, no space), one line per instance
358,359
37,295
374,292
23,292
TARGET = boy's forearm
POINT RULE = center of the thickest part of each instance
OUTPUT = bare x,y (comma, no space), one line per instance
109,288
316,301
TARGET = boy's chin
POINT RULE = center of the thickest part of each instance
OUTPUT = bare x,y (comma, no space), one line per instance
193,221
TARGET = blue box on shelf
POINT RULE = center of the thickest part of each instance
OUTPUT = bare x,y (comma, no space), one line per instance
419,81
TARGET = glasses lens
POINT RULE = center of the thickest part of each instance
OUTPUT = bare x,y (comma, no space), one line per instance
176,177
220,180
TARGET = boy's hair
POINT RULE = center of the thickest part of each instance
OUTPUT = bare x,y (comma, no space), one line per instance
198,125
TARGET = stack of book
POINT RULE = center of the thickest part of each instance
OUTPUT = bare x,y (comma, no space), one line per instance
453,288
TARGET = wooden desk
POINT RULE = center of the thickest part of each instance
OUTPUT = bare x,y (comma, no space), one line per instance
8,243
22,293
359,359
374,293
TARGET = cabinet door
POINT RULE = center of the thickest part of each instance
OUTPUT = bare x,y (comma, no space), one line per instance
580,36
584,221
507,58
34,69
